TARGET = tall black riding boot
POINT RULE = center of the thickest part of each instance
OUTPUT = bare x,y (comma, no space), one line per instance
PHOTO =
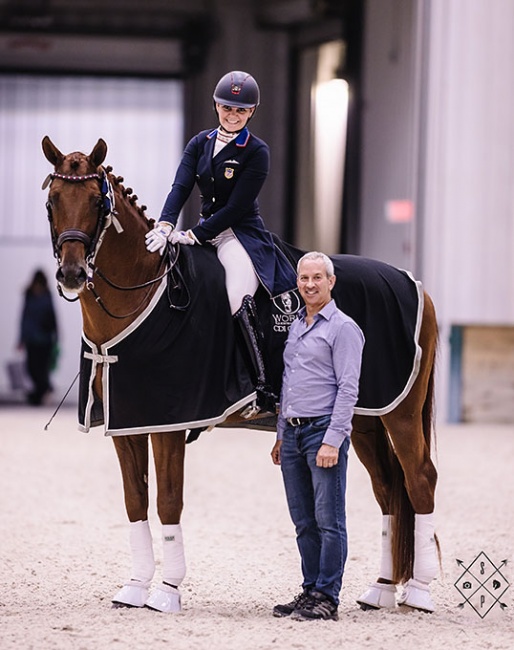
251,333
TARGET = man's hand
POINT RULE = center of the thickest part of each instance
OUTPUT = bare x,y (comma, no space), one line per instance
275,452
327,456
157,238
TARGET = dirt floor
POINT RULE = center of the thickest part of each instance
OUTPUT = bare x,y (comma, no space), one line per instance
64,546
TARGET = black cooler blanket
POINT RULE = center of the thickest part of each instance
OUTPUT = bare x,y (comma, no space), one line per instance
386,302
171,369
181,369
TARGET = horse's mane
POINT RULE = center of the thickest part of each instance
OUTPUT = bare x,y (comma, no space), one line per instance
128,195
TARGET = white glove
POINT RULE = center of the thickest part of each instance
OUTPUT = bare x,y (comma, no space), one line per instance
183,237
157,238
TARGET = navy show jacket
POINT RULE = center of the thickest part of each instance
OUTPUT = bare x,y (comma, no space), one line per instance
229,184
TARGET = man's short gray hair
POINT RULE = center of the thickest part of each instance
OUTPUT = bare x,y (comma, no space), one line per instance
315,255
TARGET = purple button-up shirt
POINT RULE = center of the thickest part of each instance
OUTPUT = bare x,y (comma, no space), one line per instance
322,365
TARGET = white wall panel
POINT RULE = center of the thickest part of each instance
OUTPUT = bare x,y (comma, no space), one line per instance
469,211
142,123
468,226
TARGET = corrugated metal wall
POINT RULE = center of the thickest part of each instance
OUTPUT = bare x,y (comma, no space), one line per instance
142,123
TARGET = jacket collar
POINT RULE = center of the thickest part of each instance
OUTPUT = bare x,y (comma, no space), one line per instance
241,140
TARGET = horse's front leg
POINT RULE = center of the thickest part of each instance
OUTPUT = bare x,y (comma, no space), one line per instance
132,454
168,451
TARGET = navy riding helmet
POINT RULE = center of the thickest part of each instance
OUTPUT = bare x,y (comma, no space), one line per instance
237,88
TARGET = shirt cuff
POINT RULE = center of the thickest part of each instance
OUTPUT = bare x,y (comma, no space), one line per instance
280,428
334,438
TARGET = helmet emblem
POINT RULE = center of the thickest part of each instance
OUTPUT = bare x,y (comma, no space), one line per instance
236,89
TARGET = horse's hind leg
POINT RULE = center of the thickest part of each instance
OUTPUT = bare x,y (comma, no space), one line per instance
419,564
132,454
168,451
373,449
410,430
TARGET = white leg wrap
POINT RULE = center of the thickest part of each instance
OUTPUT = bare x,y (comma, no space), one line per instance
166,596
425,549
141,546
135,592
386,561
173,559
379,595
416,591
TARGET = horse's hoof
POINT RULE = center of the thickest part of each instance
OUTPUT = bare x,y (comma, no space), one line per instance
165,599
116,605
417,595
366,608
130,595
378,596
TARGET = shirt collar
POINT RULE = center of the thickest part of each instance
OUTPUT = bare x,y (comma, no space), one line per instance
241,140
325,313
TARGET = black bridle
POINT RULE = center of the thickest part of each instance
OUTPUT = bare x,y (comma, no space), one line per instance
73,234
107,215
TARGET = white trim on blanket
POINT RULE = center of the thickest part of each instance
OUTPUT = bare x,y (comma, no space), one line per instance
181,426
416,361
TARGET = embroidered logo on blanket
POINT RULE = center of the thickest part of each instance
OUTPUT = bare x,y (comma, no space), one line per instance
284,311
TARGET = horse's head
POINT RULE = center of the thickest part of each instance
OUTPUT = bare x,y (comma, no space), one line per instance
75,209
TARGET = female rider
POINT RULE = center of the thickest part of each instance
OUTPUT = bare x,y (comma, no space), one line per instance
229,164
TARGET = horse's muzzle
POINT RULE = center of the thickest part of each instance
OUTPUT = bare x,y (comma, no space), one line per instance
71,278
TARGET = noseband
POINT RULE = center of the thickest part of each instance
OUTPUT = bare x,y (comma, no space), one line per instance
106,215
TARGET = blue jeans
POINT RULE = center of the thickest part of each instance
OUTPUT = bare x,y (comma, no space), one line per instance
316,500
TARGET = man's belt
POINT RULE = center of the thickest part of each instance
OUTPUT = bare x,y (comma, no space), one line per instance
298,422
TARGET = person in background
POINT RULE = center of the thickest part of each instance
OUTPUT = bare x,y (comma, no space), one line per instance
38,335
322,361
229,164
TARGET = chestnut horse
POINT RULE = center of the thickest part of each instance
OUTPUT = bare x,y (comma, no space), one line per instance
102,259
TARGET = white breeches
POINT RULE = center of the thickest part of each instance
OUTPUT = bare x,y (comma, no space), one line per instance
240,277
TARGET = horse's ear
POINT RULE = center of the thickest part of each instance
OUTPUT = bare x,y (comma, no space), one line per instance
97,156
52,154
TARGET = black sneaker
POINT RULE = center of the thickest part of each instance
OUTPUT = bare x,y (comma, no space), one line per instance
317,606
289,608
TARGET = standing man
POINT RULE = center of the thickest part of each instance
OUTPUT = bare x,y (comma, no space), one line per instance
322,360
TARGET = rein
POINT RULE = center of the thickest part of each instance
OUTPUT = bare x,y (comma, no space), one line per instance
172,255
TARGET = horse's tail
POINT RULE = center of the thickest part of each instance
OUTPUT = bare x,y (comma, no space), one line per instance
401,507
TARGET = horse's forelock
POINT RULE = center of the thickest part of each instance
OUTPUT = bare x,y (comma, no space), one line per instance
76,163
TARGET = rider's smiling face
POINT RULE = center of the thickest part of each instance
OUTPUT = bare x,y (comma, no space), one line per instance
233,118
